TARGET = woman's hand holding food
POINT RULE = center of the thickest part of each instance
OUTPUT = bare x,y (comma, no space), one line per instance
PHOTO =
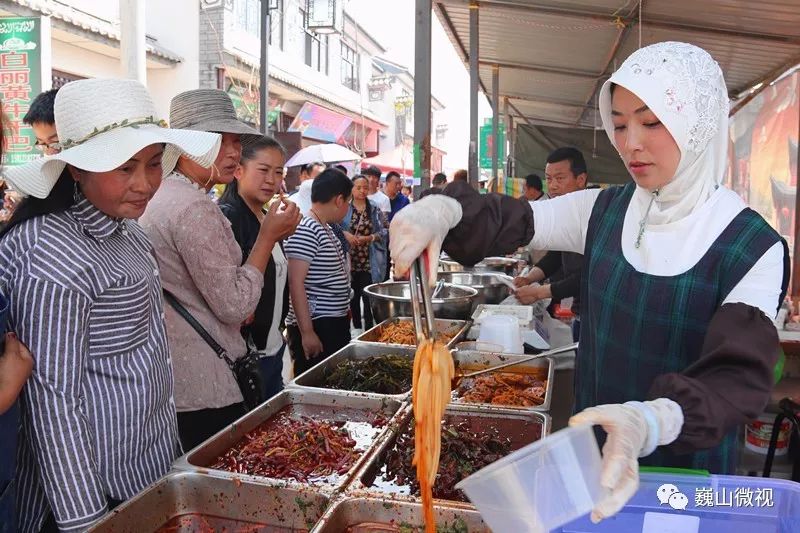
281,223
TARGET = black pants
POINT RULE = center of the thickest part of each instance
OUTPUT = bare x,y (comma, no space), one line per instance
195,427
333,332
360,281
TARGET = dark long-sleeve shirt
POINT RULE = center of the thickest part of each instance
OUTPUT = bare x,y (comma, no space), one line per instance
568,285
729,383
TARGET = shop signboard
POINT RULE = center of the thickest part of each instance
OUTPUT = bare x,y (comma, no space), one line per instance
24,73
487,141
317,122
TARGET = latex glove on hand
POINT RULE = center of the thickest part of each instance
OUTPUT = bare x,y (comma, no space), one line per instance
634,430
422,226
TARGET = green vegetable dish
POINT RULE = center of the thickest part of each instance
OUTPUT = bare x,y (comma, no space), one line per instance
381,374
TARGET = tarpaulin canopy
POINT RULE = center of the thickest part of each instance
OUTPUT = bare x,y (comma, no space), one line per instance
534,143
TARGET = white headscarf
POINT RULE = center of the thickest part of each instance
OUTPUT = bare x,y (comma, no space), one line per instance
684,87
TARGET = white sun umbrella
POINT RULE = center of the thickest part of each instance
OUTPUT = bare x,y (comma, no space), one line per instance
326,153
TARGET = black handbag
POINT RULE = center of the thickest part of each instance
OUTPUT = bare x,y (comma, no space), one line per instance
245,369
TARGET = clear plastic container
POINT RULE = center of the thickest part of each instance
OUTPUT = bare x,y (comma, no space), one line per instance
541,486
502,330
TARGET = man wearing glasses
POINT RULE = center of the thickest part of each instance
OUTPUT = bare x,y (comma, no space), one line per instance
41,119
565,172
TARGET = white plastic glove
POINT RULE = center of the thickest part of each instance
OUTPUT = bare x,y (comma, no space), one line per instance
634,430
422,226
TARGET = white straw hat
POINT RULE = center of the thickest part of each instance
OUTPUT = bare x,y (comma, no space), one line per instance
101,124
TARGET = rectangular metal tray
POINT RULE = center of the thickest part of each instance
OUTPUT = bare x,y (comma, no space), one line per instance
479,360
192,493
313,378
516,423
459,327
330,405
353,511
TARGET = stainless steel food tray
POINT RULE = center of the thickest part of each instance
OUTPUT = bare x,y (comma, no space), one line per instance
313,378
458,327
328,405
193,493
477,360
352,511
515,424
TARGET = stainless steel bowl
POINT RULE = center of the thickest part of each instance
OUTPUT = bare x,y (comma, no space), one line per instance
393,298
490,289
505,265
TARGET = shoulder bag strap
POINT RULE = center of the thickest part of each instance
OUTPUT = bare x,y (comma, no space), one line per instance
219,350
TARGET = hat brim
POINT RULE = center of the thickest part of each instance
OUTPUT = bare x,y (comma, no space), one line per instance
108,151
224,126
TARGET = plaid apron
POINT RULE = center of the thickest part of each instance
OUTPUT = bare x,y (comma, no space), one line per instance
636,327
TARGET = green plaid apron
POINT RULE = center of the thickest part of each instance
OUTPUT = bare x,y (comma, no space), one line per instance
636,327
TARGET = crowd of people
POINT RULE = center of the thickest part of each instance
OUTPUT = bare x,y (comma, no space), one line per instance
139,294
146,314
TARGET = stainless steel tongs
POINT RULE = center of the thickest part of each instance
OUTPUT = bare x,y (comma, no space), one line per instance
421,301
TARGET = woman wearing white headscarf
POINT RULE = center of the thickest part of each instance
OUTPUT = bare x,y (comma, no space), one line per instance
681,279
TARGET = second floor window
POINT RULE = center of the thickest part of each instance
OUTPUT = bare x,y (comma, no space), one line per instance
317,52
350,66
247,18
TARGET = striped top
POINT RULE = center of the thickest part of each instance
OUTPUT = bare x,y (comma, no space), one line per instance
327,283
98,415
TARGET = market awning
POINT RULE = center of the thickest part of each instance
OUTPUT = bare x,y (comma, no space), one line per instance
323,124
553,55
398,160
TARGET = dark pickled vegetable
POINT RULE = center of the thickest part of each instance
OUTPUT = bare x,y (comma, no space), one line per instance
463,452
381,374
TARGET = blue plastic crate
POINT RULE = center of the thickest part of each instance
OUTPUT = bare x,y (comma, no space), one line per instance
757,505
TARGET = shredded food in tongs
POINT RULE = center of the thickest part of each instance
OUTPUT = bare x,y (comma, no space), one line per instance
433,373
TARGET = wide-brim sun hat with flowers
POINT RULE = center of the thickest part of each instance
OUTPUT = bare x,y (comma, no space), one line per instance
101,124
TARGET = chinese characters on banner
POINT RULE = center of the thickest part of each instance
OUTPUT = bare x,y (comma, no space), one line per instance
20,82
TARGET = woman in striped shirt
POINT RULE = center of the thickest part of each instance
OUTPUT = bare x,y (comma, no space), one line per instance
98,418
319,276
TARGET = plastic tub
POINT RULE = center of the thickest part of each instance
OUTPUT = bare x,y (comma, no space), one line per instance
775,507
541,486
502,330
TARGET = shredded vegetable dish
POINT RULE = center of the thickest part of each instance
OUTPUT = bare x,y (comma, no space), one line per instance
381,374
287,448
403,332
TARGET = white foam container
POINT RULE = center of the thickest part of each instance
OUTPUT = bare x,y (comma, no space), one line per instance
541,486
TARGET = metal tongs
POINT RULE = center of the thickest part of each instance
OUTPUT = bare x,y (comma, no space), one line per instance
421,301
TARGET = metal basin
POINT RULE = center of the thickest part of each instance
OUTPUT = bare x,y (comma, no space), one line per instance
521,427
490,289
354,511
505,265
393,298
233,505
359,412
456,328
470,361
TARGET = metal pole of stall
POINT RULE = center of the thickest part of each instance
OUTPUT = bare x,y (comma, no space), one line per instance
263,70
509,136
474,77
422,95
133,46
495,127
